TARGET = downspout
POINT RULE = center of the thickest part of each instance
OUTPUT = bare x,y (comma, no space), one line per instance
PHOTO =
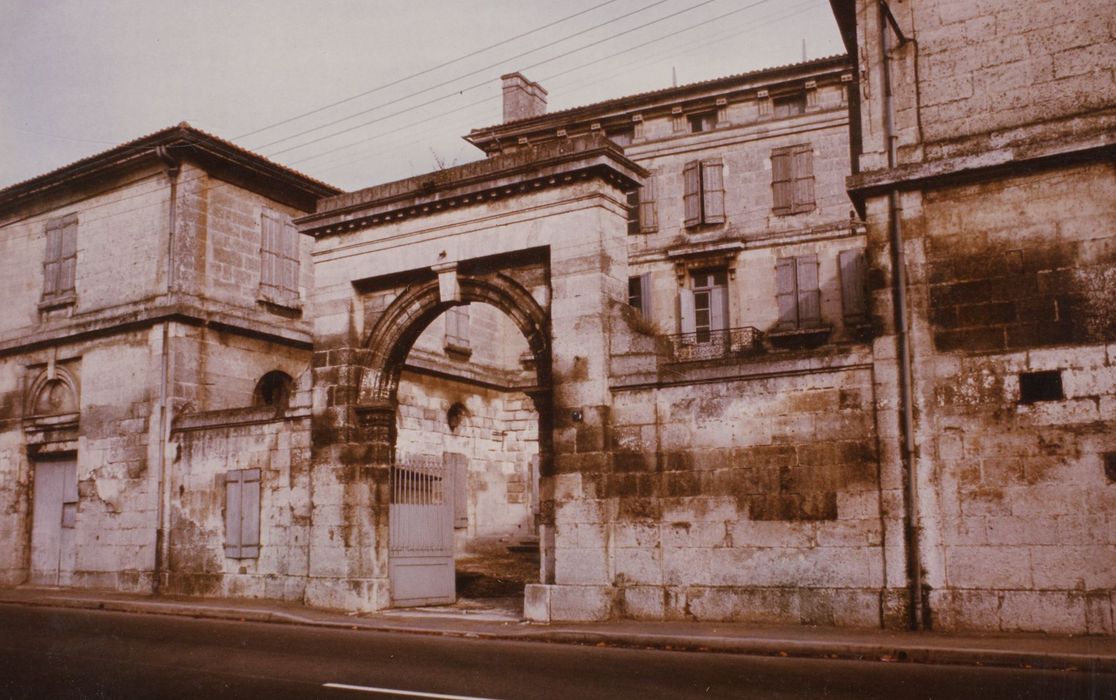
917,611
162,533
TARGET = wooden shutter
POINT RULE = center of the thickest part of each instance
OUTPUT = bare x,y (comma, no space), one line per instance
242,513
718,308
68,256
809,295
457,466
686,314
691,198
52,258
457,326
289,262
802,167
853,297
233,488
782,182
645,295
786,293
713,192
269,249
648,209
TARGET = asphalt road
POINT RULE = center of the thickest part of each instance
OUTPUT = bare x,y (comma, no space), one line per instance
57,653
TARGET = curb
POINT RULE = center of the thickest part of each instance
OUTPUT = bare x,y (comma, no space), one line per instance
746,646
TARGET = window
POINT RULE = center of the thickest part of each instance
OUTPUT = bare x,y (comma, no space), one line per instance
278,258
60,260
621,136
639,294
643,213
705,121
789,105
242,514
704,197
273,390
457,330
703,309
853,297
798,296
792,179
1040,386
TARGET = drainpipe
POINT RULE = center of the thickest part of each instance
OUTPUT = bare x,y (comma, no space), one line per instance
162,538
917,612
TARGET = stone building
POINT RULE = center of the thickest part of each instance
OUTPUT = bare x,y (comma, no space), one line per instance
984,139
662,346
157,280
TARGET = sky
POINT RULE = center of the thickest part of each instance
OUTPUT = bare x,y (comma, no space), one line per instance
355,92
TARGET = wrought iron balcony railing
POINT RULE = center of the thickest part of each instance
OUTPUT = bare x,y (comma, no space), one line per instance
715,345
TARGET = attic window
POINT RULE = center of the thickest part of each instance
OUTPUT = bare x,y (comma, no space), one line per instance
621,136
789,105
702,122
1041,386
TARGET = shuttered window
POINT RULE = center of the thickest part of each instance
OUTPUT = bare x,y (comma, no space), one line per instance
242,514
457,329
639,294
278,258
648,206
792,179
853,297
798,293
703,310
60,259
704,192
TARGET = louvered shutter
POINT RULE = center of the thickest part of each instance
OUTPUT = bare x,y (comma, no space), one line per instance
52,258
691,199
250,513
648,209
269,245
782,184
68,257
686,314
233,489
713,192
809,295
853,297
290,259
786,293
803,169
718,308
645,295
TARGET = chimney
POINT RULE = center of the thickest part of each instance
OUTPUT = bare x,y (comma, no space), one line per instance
522,98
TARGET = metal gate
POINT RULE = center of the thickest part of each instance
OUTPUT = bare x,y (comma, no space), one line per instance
421,532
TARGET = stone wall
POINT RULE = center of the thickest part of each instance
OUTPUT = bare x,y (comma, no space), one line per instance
1014,281
211,444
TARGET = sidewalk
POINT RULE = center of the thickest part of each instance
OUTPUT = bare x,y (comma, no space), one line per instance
1084,653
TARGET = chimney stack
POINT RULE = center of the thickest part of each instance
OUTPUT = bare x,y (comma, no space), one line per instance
522,98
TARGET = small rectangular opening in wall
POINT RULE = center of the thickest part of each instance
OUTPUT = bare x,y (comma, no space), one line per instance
1110,466
1040,386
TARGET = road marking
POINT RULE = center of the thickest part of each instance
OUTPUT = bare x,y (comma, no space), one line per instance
408,693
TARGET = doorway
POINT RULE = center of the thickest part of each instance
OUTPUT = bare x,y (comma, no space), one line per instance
54,516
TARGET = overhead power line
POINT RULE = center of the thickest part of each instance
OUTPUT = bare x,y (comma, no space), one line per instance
397,81
474,86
